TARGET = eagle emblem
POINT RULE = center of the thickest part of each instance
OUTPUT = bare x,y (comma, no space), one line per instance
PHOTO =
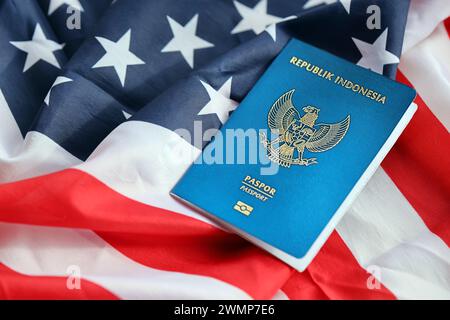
295,133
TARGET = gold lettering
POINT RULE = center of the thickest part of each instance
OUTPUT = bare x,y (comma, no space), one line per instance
294,60
347,84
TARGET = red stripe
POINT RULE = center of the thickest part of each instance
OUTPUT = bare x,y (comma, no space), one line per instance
165,240
155,237
17,286
334,274
419,165
214,253
447,25
302,287
74,199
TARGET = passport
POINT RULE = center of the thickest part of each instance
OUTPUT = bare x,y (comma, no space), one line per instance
297,151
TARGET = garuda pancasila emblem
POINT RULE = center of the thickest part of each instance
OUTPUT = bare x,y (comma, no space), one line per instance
296,132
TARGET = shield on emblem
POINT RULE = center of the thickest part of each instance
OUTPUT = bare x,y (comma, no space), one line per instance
304,133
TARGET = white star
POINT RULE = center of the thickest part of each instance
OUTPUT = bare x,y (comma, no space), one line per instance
126,114
58,81
185,40
256,19
55,4
220,102
272,29
118,55
313,3
38,48
375,56
347,4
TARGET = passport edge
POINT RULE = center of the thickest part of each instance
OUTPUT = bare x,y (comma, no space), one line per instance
300,263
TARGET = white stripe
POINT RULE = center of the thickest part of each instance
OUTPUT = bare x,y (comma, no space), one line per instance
36,155
427,66
414,264
33,156
44,251
10,135
144,173
423,18
280,295
144,169
383,230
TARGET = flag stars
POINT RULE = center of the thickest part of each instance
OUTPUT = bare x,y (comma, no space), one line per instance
56,4
272,29
58,81
185,39
38,48
312,3
254,19
126,115
118,55
220,102
375,56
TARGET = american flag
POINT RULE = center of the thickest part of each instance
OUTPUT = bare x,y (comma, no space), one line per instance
91,93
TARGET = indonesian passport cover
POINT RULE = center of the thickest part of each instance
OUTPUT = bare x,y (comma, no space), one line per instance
297,151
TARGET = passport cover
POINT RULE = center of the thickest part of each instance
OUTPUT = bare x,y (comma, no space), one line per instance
327,124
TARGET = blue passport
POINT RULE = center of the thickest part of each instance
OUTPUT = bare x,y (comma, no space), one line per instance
297,151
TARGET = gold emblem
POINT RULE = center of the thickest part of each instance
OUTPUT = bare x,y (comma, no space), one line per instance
243,208
295,133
